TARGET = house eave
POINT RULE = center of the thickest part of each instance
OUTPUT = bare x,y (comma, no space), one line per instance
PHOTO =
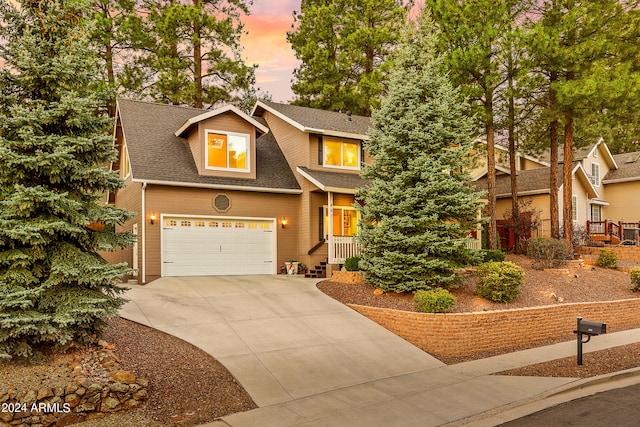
619,180
219,186
207,115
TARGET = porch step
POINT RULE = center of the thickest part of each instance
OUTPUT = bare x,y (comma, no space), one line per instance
318,272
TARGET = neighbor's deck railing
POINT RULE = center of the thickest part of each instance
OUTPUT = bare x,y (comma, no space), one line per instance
341,248
612,232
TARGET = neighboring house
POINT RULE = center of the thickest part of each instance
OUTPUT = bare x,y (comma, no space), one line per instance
605,189
220,192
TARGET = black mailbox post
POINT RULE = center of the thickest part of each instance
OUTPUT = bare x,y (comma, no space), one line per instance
590,329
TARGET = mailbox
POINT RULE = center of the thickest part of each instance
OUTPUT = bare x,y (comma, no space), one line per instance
586,327
590,329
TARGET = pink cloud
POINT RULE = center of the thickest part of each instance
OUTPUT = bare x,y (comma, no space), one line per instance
266,45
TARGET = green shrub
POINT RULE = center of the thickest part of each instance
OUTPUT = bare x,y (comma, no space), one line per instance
499,281
489,255
351,263
634,274
607,259
434,301
549,253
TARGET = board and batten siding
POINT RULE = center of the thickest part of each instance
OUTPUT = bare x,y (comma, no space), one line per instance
179,201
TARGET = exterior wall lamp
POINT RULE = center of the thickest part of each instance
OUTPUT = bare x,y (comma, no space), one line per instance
283,223
153,218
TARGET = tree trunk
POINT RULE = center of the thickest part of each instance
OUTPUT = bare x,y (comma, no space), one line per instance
197,61
567,219
553,173
515,213
491,173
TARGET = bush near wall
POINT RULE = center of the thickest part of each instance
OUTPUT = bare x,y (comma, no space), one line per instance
466,334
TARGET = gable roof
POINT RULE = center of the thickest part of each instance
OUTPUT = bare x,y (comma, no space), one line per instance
227,108
312,120
583,153
628,168
158,156
529,182
535,181
339,182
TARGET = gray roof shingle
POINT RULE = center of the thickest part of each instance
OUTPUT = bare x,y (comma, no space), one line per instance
156,154
628,167
528,181
327,121
335,179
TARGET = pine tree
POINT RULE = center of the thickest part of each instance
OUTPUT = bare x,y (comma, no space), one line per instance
55,288
417,210
345,48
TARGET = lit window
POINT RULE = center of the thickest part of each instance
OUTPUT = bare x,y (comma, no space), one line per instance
126,167
239,224
227,151
341,154
171,223
265,226
226,225
214,224
253,225
185,223
345,221
199,223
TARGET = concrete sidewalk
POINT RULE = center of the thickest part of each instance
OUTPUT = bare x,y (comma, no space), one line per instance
307,360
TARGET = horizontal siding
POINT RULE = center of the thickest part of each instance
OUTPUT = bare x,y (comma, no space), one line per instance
163,200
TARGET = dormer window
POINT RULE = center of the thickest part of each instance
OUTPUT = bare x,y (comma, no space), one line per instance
227,151
341,154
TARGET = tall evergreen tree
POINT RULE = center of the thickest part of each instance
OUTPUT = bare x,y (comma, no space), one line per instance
190,52
472,36
417,209
54,287
344,46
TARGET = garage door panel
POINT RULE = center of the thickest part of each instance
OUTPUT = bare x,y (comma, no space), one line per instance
217,246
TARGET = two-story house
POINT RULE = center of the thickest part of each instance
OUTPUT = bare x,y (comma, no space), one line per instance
605,189
221,192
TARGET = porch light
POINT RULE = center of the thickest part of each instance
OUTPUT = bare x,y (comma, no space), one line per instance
153,218
283,223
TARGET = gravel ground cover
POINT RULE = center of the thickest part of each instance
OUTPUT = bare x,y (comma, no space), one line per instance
186,385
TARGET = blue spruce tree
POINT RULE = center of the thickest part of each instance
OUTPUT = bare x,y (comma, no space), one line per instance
418,209
55,289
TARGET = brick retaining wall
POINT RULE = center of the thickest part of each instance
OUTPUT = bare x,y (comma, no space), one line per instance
464,334
624,253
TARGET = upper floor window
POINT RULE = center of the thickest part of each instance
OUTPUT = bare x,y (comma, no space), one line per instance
341,154
126,167
227,151
595,174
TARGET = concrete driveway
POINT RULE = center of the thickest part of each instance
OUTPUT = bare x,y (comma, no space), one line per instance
306,359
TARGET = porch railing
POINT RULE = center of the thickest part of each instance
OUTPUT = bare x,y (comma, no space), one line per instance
341,248
611,232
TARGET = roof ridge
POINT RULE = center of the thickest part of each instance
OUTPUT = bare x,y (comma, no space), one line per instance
185,107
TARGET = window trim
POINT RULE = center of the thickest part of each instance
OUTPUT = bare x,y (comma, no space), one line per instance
126,162
341,166
325,225
595,177
247,137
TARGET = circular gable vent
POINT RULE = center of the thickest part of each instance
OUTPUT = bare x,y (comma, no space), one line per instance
221,202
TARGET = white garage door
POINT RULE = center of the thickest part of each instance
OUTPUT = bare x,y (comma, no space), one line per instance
217,246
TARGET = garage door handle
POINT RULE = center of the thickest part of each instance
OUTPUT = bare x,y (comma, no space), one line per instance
167,262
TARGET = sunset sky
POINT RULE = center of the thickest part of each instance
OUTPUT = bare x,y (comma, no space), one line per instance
266,45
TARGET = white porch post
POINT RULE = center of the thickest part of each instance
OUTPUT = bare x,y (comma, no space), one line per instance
330,225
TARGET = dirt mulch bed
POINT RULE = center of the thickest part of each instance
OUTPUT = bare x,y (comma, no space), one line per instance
187,386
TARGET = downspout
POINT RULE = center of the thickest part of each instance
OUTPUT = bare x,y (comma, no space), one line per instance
144,236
